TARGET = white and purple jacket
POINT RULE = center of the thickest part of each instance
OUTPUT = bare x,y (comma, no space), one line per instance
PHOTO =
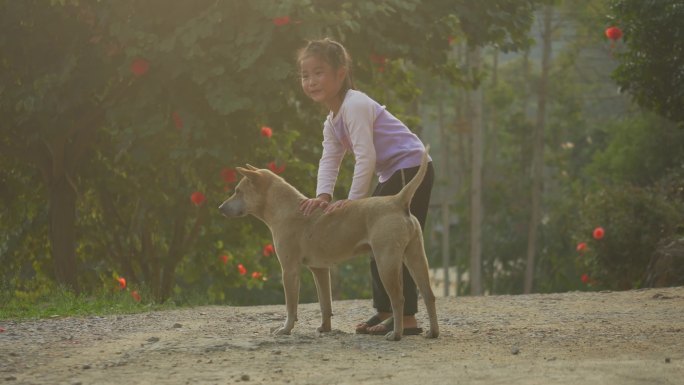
379,141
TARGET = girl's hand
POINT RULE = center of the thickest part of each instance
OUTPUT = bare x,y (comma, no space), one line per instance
336,205
307,206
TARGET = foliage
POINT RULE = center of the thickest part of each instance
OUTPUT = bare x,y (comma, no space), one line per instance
635,198
124,109
652,63
634,219
62,302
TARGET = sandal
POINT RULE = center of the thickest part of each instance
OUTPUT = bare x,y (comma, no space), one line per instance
388,326
362,328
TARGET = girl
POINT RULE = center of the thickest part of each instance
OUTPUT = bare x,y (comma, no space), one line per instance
380,142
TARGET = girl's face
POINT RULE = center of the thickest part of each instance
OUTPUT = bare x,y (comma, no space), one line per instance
321,82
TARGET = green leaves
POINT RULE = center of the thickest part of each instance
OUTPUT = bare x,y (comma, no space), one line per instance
652,63
213,74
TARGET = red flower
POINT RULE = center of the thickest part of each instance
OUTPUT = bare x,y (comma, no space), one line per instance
599,233
380,60
581,247
241,269
276,170
266,131
613,33
268,250
585,278
224,259
136,295
122,283
282,20
197,198
229,175
139,67
256,275
177,120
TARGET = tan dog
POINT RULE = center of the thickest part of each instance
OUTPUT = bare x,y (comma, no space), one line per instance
382,225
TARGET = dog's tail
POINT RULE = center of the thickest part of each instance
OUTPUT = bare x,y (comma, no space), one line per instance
407,192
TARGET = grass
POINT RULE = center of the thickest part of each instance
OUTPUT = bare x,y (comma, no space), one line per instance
64,303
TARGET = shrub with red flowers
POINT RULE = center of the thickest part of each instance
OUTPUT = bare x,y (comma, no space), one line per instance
100,109
617,253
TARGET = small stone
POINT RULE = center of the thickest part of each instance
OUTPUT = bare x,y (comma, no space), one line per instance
177,325
153,339
86,366
245,377
515,350
667,360
10,378
277,352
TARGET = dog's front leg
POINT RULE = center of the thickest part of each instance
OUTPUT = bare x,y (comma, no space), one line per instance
322,280
291,287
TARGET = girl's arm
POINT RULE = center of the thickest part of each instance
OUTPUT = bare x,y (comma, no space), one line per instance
359,117
329,165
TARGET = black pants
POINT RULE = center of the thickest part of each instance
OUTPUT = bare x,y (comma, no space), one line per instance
419,208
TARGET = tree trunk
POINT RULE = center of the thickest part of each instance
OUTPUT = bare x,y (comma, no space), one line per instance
176,249
63,231
538,152
179,244
444,173
475,64
488,172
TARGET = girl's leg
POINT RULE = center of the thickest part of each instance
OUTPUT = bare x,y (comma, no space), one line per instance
419,208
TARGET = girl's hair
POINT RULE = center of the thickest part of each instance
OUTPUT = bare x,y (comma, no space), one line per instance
332,53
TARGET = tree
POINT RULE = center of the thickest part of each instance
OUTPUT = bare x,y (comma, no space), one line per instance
652,63
538,149
55,93
130,108
475,119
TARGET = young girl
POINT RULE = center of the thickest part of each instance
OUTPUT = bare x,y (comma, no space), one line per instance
380,142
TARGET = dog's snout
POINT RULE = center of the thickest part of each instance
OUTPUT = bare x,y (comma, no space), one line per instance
223,208
232,208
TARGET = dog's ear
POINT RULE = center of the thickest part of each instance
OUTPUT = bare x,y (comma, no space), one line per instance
249,166
250,174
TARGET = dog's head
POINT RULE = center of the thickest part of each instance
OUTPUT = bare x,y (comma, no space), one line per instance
248,197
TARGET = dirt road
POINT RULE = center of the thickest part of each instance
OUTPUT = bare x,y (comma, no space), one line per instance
634,337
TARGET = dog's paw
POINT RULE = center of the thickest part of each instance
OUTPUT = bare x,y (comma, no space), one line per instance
432,334
283,331
323,329
392,336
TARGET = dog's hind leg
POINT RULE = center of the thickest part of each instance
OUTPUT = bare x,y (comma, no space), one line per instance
291,287
322,280
391,276
416,262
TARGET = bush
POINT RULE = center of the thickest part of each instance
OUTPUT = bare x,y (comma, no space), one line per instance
635,219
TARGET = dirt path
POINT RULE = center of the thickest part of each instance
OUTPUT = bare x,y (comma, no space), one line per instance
634,337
